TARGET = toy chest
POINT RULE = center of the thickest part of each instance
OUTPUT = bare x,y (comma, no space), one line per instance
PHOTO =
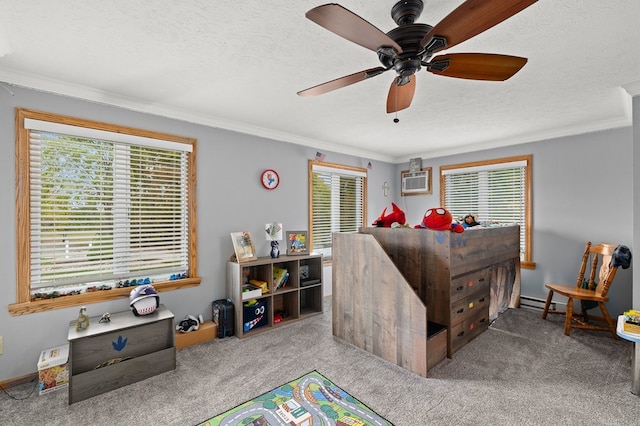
53,369
254,315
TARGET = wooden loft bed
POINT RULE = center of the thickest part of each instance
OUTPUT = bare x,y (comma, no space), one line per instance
412,296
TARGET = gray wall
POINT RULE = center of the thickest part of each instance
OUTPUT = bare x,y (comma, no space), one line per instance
230,198
581,190
636,196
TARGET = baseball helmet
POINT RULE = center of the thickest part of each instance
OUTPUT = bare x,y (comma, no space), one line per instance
143,300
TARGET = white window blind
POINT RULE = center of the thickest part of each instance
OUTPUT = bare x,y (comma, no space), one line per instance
90,133
493,193
105,209
337,205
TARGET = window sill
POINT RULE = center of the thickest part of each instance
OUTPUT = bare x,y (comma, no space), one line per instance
35,306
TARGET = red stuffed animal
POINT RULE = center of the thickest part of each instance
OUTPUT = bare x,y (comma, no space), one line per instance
439,219
396,216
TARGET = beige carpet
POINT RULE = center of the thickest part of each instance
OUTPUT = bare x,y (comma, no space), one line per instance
523,371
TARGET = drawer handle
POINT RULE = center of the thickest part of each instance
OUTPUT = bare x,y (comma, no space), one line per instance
460,288
461,334
481,300
481,279
459,311
482,320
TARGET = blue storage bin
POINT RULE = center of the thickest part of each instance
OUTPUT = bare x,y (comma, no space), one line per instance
254,316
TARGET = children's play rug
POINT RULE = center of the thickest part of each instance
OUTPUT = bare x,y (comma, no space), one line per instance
309,400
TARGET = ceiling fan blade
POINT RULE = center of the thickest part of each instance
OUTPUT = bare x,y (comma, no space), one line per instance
476,66
341,82
348,25
400,97
470,19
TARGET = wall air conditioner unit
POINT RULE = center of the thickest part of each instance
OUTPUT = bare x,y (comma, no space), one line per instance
416,183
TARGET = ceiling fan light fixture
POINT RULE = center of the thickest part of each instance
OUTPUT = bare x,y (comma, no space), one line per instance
408,48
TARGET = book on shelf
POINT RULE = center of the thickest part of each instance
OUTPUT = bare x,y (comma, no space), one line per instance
280,275
284,280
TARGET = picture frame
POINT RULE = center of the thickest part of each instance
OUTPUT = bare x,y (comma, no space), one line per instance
243,246
297,242
304,272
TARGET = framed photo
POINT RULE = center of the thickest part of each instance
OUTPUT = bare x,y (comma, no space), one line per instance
297,242
243,246
304,272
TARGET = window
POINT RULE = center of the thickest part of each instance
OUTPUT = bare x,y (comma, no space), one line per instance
99,206
497,190
337,200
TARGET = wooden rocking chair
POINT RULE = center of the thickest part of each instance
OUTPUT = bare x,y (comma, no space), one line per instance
589,292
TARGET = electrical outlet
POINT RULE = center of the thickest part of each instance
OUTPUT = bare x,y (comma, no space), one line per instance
1,345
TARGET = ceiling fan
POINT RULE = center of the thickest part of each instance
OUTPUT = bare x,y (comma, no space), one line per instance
410,46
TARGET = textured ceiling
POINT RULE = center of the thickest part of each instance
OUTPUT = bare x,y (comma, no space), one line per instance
238,65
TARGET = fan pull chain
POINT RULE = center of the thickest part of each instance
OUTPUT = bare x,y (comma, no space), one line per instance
396,119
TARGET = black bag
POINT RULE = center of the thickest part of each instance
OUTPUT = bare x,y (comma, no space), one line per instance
223,316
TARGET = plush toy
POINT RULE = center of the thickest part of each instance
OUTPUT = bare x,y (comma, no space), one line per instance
621,257
439,219
189,323
469,221
396,216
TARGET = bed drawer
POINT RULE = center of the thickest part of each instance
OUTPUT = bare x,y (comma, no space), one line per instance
469,306
467,284
463,332
436,343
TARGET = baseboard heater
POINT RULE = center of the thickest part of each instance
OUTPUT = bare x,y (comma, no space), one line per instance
538,304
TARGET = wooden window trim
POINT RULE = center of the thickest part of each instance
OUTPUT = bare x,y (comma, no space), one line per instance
527,263
311,163
24,304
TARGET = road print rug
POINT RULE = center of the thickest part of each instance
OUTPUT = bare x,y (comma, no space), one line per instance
308,400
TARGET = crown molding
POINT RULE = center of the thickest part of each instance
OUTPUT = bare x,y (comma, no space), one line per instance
632,88
34,82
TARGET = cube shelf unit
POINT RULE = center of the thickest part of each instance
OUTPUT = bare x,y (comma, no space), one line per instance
299,298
